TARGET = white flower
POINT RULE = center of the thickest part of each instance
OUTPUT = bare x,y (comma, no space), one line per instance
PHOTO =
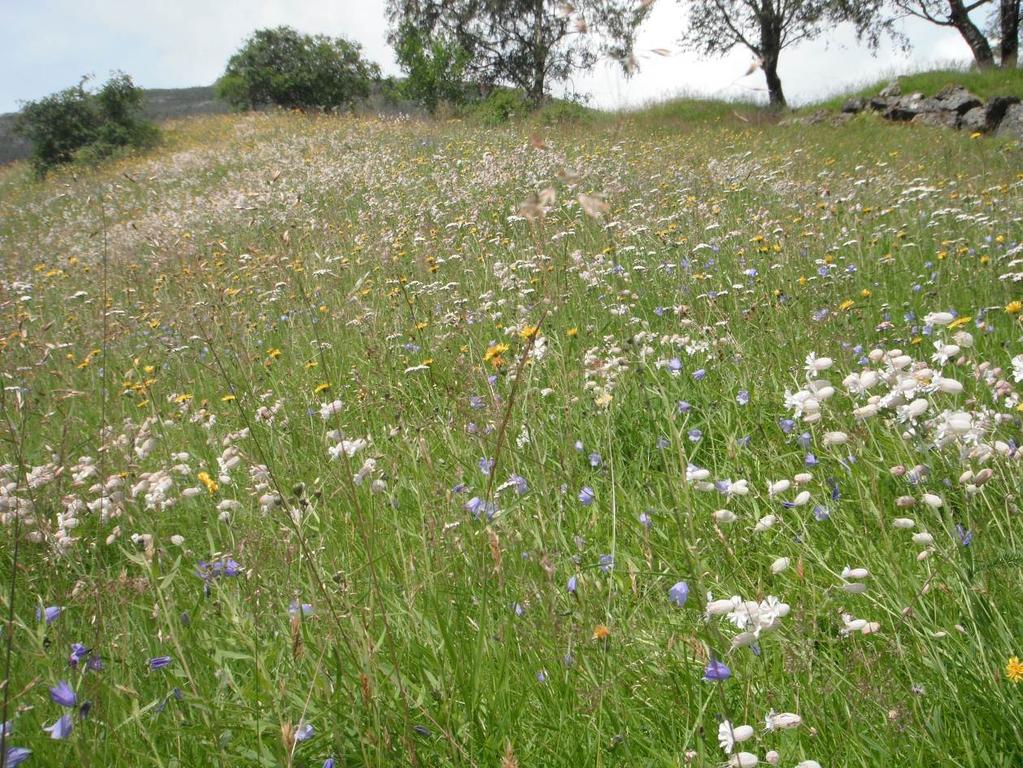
835,438
729,735
816,364
932,501
855,574
939,318
779,486
330,409
1017,368
777,721
772,757
743,760
808,764
724,516
779,565
903,523
923,538
764,523
347,447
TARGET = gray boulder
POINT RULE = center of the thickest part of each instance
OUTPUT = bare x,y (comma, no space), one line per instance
974,120
956,99
1011,125
892,90
905,108
996,108
940,119
852,106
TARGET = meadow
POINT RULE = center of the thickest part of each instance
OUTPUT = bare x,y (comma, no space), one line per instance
635,441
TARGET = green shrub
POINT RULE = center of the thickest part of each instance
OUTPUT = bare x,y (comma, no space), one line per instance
501,106
563,113
434,68
285,68
78,124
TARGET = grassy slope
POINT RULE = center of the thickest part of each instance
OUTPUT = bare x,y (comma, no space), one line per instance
254,259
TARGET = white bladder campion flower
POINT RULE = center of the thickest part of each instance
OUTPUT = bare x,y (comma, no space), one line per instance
729,735
779,721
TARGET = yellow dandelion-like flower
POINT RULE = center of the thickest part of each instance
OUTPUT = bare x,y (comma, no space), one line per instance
846,305
321,388
976,135
865,293
1014,307
273,353
529,331
228,399
601,632
209,482
959,322
1014,669
572,332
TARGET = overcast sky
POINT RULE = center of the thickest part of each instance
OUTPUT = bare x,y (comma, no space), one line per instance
46,45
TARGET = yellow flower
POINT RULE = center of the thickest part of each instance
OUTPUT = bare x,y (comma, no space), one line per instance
976,135
1014,307
865,293
1014,669
959,322
572,332
601,632
528,331
209,482
847,304
493,355
273,353
321,388
228,399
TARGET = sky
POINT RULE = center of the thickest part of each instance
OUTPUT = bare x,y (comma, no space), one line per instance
46,45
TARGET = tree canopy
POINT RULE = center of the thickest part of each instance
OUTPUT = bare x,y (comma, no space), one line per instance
283,67
528,44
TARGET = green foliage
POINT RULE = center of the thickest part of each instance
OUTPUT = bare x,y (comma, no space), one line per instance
434,67
985,83
501,106
285,68
76,123
563,112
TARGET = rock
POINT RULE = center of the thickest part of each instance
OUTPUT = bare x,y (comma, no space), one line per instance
942,119
996,108
957,99
891,90
906,107
1011,125
881,103
975,120
852,106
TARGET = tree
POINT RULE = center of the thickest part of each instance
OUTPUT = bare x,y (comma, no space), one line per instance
76,122
764,27
285,68
528,44
434,66
873,18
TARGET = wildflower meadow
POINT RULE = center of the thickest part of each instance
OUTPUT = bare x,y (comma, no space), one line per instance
633,441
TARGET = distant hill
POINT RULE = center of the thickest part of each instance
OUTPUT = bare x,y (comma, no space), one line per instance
160,104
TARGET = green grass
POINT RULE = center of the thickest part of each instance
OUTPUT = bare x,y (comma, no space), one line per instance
181,313
985,84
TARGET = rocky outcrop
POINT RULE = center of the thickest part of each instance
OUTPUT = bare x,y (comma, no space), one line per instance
952,107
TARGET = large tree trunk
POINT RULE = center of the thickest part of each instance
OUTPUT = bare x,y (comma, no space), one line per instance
774,90
974,38
770,50
1008,14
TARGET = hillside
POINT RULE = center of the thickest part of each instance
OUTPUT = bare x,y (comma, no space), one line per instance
643,440
160,104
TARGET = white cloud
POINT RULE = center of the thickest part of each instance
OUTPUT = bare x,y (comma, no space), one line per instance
48,44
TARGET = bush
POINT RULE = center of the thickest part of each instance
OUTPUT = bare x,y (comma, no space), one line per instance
285,68
563,113
502,105
434,68
76,123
